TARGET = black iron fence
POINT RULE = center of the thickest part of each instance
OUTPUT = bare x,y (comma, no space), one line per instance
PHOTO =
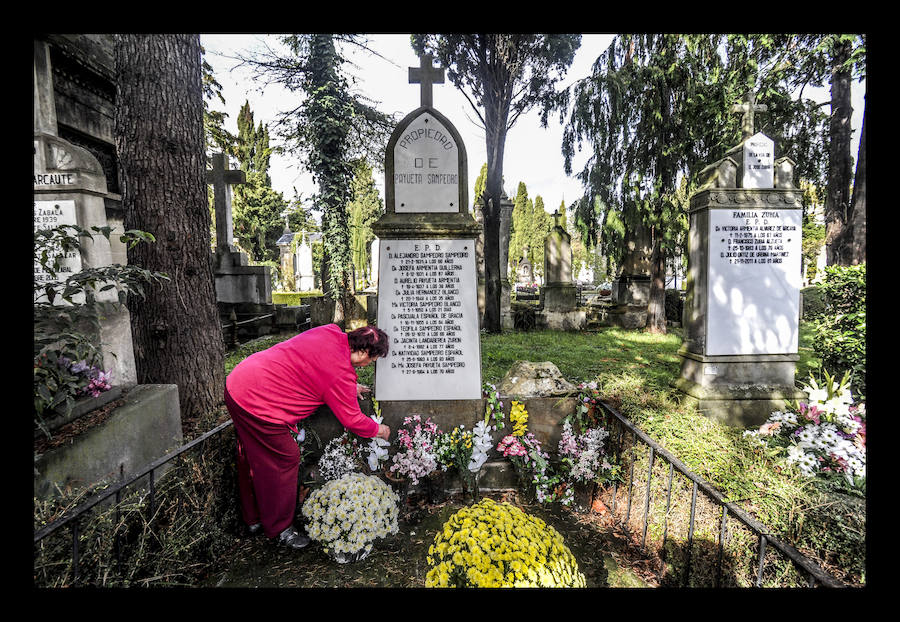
736,532
263,323
146,476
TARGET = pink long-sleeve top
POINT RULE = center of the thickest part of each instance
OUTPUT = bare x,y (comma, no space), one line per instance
290,380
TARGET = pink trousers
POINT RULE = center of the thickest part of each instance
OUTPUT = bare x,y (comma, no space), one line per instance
268,462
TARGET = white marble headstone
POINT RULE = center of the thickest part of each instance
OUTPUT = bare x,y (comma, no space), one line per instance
759,162
427,305
754,281
426,168
305,275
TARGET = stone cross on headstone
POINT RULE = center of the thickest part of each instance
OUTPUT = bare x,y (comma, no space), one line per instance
426,75
748,108
557,220
222,179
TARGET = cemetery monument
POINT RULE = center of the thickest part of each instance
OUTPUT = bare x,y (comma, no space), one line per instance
70,187
742,310
427,281
559,295
244,289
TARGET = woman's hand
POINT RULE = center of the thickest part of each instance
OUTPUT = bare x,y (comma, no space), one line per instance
361,389
383,432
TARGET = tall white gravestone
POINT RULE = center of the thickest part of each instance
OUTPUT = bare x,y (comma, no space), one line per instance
427,281
742,309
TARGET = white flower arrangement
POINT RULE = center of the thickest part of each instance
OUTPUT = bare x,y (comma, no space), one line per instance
585,452
376,450
826,435
340,457
481,444
347,515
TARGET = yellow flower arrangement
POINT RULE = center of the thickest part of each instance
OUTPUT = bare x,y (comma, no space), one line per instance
519,418
492,544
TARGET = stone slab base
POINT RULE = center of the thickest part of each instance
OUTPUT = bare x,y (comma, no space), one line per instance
143,429
739,406
627,316
446,414
737,413
573,319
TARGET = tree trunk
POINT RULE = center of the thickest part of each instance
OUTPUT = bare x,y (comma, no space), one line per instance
857,245
160,144
837,198
496,114
656,306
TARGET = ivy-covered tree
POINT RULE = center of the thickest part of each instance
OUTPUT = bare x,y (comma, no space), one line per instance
502,76
328,129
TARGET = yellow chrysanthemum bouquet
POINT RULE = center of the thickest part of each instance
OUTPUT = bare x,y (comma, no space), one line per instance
347,515
492,544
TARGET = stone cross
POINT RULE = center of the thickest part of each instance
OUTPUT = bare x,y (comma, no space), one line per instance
222,179
426,75
748,108
557,220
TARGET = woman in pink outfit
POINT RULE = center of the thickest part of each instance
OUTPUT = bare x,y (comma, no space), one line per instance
269,392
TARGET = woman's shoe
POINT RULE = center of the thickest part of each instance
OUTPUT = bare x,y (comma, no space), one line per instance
292,538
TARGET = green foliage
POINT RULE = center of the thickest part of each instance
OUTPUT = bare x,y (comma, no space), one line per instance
218,139
257,208
813,241
841,332
530,224
329,129
293,298
67,314
813,302
480,182
365,208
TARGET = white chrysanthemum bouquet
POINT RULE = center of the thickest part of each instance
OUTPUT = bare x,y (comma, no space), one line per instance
347,515
342,455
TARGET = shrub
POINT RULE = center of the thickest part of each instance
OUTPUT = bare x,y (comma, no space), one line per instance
293,299
841,332
813,303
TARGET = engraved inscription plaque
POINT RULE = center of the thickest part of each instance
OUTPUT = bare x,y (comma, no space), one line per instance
427,305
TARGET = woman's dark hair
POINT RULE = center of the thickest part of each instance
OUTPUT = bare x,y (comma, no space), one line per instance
369,339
